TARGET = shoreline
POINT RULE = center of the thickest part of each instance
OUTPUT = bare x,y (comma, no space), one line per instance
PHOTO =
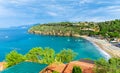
104,47
105,54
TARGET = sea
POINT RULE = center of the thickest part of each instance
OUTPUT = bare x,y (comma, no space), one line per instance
19,39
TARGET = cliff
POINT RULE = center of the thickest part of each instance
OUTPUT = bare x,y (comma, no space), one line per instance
61,29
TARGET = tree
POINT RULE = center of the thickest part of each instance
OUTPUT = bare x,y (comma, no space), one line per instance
76,69
65,55
101,66
48,56
44,56
14,58
35,54
110,66
40,55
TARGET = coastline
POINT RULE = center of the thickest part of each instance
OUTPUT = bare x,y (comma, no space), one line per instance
104,46
99,47
106,49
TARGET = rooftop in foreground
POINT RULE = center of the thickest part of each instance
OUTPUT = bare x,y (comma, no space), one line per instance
86,66
25,67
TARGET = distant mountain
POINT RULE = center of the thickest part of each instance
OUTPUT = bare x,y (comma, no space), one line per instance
22,27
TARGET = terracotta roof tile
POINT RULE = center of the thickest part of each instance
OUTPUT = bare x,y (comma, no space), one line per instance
62,68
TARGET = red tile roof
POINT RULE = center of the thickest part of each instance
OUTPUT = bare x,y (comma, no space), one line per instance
67,68
86,67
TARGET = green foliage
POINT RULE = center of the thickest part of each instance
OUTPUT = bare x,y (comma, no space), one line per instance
111,66
76,69
63,29
101,66
65,55
108,29
14,58
45,56
101,62
35,54
48,56
40,55
55,72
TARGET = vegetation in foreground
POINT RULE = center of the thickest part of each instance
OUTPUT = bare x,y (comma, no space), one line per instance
107,29
14,58
48,56
76,69
40,55
110,66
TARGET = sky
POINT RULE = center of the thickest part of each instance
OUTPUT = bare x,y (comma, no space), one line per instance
27,12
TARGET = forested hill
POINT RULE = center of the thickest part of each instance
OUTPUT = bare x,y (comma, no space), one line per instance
108,29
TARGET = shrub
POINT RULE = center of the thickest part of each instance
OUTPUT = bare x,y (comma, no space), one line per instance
65,56
14,58
76,69
34,54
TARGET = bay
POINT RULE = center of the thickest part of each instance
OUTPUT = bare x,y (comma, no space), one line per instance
19,39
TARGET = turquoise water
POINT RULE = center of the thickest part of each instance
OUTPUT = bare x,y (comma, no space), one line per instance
20,40
25,67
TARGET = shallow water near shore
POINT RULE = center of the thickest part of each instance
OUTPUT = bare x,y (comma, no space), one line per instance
19,39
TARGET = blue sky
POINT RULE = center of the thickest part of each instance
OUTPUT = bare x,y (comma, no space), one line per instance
26,12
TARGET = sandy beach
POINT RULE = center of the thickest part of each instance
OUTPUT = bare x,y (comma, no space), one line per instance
106,48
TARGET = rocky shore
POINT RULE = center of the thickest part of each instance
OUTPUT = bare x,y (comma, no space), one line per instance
58,33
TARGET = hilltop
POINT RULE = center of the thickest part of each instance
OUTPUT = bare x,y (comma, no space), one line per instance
107,29
63,29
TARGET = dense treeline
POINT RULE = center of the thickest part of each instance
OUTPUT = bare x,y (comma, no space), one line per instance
40,55
60,24
107,29
110,28
110,66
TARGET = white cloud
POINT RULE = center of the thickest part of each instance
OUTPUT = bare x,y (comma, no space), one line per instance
52,13
61,10
85,1
5,12
113,10
91,19
108,2
19,1
54,7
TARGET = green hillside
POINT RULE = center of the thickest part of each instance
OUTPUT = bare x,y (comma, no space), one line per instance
107,29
